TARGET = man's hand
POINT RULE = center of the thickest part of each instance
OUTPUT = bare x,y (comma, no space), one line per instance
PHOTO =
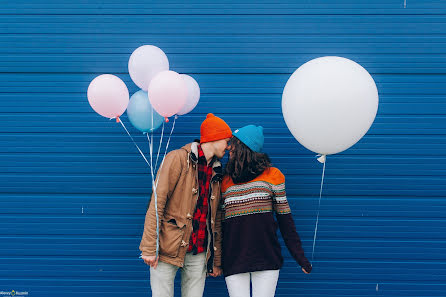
217,272
305,271
151,261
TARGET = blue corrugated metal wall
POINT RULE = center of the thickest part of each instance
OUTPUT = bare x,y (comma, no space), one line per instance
74,189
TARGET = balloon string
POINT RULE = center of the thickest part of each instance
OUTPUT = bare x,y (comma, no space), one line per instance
155,193
150,146
155,184
122,123
167,146
159,147
322,160
154,189
151,143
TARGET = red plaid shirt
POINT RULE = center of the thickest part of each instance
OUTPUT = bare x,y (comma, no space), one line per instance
199,237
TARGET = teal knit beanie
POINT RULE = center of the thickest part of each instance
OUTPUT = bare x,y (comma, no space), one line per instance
251,136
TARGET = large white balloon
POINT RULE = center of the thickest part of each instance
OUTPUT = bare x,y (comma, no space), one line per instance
145,63
329,104
193,94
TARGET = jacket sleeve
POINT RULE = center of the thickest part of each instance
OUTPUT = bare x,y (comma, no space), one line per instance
218,235
286,222
168,175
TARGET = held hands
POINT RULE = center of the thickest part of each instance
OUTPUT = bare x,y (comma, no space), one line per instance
151,261
217,272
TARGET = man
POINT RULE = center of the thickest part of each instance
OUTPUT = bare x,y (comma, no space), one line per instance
188,195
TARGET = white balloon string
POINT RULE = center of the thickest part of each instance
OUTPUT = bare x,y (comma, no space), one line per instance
155,184
150,145
151,142
155,194
318,209
159,147
122,123
167,145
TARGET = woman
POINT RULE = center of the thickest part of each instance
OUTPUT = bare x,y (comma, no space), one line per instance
252,190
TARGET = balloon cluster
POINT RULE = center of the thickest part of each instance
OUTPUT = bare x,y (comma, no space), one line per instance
163,93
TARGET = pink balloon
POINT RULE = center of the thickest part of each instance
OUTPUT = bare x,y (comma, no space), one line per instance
167,93
108,95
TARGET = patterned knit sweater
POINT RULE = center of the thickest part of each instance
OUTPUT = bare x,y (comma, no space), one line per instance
250,241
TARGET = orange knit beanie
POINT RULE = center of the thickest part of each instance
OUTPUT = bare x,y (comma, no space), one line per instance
213,128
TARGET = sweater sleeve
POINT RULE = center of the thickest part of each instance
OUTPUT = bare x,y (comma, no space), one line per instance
286,222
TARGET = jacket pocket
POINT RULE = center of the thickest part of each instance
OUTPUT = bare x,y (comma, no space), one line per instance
171,236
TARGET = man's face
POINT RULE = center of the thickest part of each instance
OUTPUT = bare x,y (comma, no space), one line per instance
220,147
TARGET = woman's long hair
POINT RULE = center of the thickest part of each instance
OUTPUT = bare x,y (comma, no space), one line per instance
244,165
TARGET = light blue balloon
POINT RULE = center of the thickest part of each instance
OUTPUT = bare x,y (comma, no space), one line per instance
140,113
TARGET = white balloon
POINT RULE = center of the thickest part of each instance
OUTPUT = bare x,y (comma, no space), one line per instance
329,104
193,94
145,63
